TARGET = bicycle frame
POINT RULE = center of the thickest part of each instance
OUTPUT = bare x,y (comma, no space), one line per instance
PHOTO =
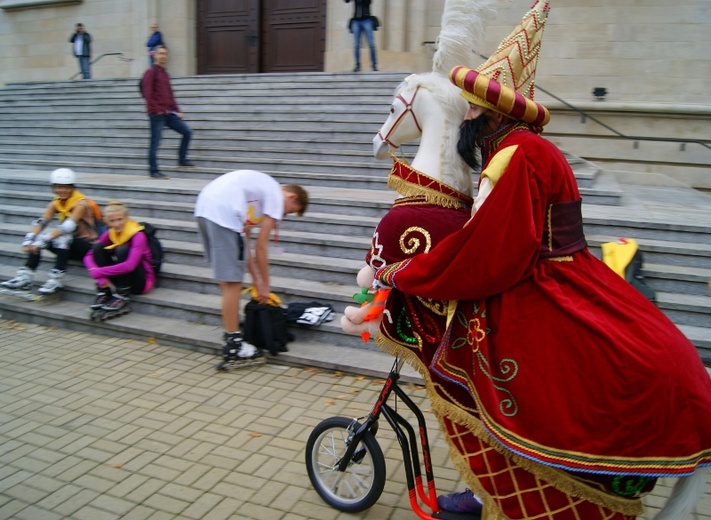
407,438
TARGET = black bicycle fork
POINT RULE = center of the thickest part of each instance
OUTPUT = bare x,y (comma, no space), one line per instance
408,440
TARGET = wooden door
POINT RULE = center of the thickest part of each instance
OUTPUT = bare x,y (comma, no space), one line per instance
243,36
228,36
293,35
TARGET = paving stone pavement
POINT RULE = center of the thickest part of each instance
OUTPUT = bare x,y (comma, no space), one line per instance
99,428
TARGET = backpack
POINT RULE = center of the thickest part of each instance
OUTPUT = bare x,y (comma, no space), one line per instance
265,327
99,223
624,257
156,247
140,81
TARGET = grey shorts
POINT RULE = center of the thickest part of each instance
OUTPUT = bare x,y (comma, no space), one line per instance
224,249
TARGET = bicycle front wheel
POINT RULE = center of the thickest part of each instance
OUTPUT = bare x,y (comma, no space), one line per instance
361,484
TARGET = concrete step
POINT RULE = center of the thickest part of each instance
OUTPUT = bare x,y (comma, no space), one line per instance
304,131
169,301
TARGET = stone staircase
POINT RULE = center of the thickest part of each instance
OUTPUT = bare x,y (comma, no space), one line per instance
314,129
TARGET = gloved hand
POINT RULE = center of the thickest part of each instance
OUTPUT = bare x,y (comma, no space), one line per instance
62,241
42,240
29,238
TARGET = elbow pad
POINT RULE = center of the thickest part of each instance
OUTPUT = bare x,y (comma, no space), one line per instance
68,226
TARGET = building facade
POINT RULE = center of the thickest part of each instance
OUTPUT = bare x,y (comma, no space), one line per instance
646,51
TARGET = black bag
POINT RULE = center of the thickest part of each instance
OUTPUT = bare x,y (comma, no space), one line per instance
265,327
156,247
376,22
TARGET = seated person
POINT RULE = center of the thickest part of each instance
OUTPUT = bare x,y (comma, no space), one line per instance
121,261
71,239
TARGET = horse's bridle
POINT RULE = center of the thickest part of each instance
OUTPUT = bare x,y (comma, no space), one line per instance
408,110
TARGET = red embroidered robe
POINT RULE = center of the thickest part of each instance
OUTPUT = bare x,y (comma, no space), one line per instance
563,390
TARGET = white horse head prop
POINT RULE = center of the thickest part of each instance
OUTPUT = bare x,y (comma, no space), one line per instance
428,107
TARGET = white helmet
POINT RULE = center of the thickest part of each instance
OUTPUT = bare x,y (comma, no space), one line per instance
62,176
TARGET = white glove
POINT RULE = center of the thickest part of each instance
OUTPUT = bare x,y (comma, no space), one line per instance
62,241
42,240
29,238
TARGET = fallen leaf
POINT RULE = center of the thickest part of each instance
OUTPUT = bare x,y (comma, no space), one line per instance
151,340
338,374
342,396
119,465
354,390
255,434
329,402
360,378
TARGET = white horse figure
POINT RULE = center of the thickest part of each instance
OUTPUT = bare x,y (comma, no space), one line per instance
428,107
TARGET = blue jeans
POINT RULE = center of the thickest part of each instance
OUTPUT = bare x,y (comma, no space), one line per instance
359,27
172,121
84,66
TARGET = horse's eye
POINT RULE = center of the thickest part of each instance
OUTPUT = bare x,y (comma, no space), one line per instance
392,110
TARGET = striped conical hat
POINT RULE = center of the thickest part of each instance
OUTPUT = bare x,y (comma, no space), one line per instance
505,82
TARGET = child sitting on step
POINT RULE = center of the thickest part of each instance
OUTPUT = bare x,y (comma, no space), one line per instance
71,239
120,262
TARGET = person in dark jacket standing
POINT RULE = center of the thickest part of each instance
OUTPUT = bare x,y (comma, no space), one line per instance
81,47
362,23
163,111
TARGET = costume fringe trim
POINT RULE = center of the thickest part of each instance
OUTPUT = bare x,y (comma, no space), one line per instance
409,182
559,479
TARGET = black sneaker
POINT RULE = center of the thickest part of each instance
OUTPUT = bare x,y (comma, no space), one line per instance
159,175
186,164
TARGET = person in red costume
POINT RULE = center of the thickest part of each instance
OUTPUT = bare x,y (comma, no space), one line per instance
563,391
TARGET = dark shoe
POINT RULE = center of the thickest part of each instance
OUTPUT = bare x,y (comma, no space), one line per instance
187,164
357,69
159,175
375,68
464,502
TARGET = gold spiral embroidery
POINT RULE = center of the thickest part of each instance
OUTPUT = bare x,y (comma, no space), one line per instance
411,240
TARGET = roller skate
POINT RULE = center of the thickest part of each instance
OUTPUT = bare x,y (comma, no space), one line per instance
118,305
21,285
51,289
103,296
238,354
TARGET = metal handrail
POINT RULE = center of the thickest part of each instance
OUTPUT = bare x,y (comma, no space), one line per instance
683,142
117,54
582,112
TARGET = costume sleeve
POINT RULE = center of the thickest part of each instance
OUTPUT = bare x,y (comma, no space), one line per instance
496,249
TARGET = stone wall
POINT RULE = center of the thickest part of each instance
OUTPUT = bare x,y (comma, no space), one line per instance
639,50
36,48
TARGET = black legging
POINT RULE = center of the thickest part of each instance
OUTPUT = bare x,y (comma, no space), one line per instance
77,250
134,281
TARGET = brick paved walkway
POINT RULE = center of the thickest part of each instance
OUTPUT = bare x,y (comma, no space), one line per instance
97,428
